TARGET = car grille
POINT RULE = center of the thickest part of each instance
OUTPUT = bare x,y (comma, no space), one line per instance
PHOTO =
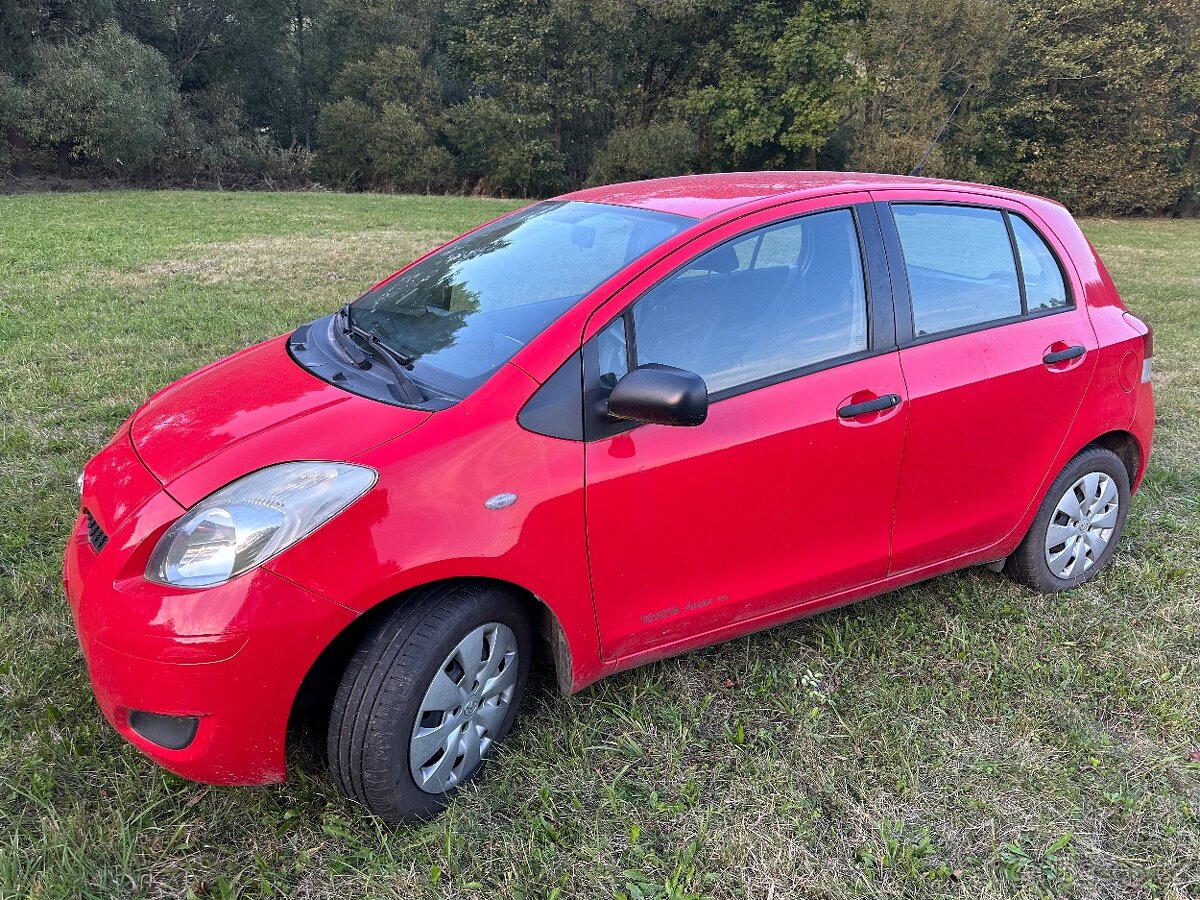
96,536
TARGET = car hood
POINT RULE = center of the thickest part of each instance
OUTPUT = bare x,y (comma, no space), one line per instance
250,410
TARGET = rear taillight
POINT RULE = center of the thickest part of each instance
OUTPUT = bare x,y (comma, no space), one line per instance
1147,334
1147,353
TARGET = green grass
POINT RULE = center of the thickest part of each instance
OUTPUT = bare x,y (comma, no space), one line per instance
962,738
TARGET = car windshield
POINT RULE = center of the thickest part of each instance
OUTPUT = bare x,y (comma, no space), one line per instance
463,312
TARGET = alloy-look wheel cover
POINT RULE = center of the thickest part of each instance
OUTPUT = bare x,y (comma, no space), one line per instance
463,708
1082,525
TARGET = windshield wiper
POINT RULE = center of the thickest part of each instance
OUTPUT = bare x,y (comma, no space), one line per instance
350,347
346,315
403,389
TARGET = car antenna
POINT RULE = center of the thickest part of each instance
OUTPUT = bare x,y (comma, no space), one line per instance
928,150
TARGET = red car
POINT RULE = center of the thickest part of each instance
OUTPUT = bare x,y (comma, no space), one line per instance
602,430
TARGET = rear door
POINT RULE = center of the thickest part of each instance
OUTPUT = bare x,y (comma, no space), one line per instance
776,499
996,356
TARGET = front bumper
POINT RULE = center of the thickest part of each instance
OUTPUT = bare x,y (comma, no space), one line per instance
232,656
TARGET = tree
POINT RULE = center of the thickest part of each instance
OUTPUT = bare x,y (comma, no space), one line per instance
346,128
104,99
503,151
1096,102
232,48
383,130
918,64
26,24
646,151
778,82
547,64
1082,110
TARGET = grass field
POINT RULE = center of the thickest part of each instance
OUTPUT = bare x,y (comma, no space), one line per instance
962,738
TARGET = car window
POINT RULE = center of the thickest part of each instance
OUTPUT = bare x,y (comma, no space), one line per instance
768,302
1044,285
612,351
777,246
462,312
960,266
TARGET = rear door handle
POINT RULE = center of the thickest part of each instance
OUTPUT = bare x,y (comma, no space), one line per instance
887,401
1063,355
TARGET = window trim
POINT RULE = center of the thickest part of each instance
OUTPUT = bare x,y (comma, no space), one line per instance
984,326
906,335
1016,255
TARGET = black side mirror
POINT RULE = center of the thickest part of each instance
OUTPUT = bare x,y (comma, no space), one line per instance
661,395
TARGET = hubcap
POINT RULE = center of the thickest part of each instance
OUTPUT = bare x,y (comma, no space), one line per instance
463,708
1082,525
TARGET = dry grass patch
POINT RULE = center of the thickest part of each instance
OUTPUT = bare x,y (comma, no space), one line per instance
295,259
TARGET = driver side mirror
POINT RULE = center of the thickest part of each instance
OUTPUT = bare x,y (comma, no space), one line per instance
659,395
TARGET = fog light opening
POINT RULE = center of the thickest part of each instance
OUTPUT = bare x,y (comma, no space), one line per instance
171,732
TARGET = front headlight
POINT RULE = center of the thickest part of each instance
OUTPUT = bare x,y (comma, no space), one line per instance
250,520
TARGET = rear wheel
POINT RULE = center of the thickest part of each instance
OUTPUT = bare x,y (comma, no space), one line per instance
1077,527
429,692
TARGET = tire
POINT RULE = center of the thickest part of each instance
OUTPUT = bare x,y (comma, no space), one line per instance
377,724
1088,527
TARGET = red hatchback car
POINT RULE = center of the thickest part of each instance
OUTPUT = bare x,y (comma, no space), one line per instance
606,428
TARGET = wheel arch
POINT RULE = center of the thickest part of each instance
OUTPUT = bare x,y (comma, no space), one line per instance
1126,447
1120,441
315,694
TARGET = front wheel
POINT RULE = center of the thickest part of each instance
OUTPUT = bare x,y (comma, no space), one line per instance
428,693
1077,527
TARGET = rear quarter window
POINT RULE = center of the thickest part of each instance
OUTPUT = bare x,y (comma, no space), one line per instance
1045,287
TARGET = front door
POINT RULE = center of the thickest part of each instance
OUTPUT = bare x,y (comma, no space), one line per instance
777,499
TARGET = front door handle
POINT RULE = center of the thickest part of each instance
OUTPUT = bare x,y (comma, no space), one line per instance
887,401
1063,355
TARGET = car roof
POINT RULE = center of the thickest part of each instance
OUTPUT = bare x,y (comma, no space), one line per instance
702,196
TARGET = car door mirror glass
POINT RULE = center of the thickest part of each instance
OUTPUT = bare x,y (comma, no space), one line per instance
660,395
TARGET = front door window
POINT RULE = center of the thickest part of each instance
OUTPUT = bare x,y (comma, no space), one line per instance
767,303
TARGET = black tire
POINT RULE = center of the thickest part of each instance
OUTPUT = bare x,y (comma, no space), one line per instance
1028,564
375,710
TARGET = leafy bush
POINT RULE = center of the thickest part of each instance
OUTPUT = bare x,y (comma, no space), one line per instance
346,129
403,153
104,99
503,151
14,109
646,151
388,147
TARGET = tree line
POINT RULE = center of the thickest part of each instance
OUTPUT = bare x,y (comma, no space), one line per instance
1094,102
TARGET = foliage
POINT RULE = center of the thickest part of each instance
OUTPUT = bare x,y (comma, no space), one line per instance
104,99
503,151
383,130
1095,102
917,65
772,93
646,151
1084,104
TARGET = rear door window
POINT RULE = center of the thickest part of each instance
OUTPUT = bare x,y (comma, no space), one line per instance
960,265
